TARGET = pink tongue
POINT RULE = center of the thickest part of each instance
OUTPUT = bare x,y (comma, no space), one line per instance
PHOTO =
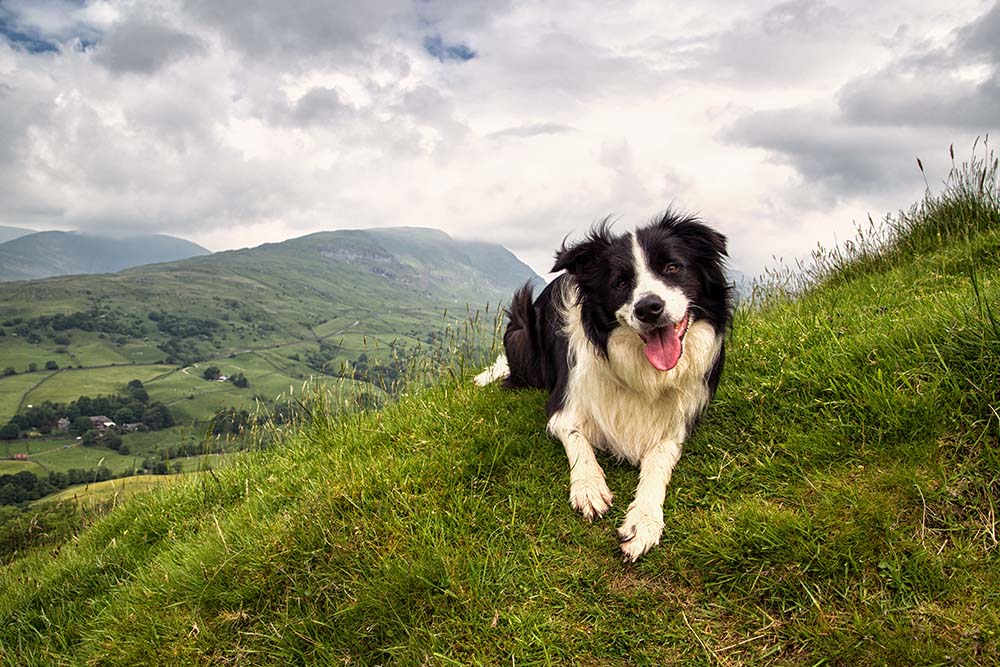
663,348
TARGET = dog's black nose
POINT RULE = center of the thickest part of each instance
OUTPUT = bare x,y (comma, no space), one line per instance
649,309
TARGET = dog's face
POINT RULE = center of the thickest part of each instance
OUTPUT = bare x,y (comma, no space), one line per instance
654,282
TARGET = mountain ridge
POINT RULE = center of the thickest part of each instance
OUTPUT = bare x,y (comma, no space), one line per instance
9,233
54,253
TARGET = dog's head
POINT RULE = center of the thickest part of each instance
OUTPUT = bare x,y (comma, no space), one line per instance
656,281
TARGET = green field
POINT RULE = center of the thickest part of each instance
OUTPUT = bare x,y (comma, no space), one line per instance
12,391
89,349
72,383
60,455
17,353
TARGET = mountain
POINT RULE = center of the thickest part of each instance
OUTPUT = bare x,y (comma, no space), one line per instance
279,313
10,233
45,254
742,283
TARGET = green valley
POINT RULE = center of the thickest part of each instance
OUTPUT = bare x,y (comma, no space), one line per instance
345,309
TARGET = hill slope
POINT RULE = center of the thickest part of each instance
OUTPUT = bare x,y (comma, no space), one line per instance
8,233
837,506
45,254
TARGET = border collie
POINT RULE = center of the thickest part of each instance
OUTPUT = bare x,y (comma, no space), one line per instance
629,344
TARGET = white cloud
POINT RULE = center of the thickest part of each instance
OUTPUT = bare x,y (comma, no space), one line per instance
235,123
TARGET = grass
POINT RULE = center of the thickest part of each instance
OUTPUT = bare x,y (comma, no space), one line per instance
13,389
112,490
62,455
836,506
17,353
76,382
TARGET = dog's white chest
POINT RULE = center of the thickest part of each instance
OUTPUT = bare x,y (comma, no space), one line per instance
628,407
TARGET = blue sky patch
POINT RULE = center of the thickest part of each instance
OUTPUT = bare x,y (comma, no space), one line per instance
434,45
19,39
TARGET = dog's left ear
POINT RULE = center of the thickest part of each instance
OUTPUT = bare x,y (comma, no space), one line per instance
698,236
707,244
585,254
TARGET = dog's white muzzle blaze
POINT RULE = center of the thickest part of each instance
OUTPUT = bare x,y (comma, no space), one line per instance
658,313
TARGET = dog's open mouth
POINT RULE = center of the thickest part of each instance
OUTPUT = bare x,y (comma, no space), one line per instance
665,344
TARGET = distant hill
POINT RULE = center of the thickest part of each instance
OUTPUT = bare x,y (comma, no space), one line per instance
742,283
280,313
9,233
46,254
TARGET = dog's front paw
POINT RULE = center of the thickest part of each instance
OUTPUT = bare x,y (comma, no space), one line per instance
640,532
590,496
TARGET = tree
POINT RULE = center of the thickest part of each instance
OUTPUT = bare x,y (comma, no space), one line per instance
81,425
240,380
157,416
212,373
10,432
32,367
9,371
51,366
125,415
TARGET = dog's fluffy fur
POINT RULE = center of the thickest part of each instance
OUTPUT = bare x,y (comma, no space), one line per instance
629,342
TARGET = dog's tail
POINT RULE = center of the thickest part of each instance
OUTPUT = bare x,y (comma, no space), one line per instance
498,371
517,341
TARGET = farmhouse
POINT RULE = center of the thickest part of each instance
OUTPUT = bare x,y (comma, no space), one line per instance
101,422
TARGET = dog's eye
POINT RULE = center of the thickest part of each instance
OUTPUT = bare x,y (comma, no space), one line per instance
671,268
621,284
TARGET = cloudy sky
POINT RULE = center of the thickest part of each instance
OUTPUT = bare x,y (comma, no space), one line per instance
238,122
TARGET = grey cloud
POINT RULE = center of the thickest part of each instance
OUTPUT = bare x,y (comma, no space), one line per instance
982,36
556,67
925,87
893,97
531,130
788,41
837,157
320,106
139,46
299,29
308,29
868,142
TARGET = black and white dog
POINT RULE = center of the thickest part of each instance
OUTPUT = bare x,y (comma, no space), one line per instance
629,343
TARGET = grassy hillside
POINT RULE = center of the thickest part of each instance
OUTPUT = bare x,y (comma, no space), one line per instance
45,254
836,506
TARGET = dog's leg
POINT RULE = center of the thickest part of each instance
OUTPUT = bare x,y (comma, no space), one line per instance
588,492
643,523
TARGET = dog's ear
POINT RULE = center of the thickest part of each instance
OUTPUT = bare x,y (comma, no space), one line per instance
585,254
698,236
